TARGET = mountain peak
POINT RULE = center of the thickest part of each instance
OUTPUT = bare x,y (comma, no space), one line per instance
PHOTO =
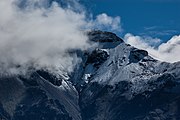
103,36
114,81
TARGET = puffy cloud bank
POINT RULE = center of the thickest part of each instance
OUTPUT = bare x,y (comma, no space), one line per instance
103,21
40,36
168,52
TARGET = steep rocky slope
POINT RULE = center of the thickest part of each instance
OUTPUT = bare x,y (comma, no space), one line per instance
114,81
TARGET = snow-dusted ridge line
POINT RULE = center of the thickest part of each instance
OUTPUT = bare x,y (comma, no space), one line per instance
114,81
126,63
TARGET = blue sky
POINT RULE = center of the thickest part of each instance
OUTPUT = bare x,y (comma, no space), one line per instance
155,18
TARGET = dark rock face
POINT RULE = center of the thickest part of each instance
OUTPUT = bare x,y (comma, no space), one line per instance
108,103
113,82
100,36
37,106
97,57
136,55
51,78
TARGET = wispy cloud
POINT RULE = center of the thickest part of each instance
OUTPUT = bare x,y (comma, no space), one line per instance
158,31
162,1
150,28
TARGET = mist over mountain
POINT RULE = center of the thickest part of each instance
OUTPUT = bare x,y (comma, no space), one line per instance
39,34
55,65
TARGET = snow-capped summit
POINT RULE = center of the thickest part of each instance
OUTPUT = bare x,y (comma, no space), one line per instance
114,81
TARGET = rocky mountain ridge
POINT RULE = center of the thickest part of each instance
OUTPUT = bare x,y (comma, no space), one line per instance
114,81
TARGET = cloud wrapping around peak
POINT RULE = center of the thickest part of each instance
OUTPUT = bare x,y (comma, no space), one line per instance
39,37
168,52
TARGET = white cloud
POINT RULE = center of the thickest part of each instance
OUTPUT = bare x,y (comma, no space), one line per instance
40,36
168,51
105,22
